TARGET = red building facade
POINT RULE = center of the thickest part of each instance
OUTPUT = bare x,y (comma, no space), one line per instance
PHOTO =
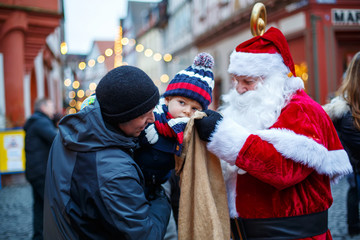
326,46
24,27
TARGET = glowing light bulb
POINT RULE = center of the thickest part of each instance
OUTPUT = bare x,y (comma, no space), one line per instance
91,63
92,86
164,78
82,65
139,48
67,82
124,41
109,52
72,94
76,84
80,93
101,59
132,42
72,110
148,52
72,103
167,57
63,48
157,57
78,105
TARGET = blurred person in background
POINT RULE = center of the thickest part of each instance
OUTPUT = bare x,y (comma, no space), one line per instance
94,189
344,111
40,133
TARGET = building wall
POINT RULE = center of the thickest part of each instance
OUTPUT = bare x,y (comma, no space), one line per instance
320,48
151,40
179,37
208,14
24,27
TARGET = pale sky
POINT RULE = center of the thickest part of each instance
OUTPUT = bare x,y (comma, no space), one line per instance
89,20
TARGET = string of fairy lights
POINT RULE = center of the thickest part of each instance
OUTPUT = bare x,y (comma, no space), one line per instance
140,48
75,105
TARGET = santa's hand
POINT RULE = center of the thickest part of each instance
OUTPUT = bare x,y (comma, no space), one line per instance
206,125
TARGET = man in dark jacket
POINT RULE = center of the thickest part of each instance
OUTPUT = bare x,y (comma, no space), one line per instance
40,133
94,189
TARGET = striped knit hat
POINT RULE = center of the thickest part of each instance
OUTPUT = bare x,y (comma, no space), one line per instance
195,82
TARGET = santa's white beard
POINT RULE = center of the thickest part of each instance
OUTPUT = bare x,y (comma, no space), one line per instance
257,109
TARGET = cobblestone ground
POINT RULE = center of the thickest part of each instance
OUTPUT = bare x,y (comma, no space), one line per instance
337,212
16,214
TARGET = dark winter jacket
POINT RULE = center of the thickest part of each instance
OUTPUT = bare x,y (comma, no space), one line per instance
156,161
340,114
40,133
94,189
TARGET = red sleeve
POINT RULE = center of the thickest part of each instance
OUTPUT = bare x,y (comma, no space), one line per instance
261,159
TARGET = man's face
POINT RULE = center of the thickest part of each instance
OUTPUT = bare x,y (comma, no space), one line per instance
245,83
182,106
49,109
134,127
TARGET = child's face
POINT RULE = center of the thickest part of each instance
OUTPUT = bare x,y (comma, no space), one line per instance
182,106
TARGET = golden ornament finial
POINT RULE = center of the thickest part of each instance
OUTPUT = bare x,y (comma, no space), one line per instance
258,19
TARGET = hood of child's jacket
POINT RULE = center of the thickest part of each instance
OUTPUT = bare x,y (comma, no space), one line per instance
85,131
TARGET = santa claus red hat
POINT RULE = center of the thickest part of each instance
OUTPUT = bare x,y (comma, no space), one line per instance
262,56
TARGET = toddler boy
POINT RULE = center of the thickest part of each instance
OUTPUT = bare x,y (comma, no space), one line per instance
189,91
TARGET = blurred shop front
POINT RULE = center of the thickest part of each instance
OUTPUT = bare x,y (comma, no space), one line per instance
323,50
30,68
323,35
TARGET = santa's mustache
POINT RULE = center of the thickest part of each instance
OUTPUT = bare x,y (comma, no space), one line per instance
258,108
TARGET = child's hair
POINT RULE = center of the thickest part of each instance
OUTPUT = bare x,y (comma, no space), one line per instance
195,82
350,88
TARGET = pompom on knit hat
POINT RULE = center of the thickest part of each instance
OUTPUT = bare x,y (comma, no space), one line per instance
195,82
126,93
262,56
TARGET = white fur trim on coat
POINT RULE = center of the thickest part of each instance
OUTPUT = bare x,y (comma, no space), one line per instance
294,83
227,140
302,149
262,64
336,108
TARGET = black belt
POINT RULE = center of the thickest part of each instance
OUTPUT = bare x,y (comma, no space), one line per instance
280,228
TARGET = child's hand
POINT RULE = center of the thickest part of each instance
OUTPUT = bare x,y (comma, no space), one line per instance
151,134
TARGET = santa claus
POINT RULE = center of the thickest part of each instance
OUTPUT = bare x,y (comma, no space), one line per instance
278,147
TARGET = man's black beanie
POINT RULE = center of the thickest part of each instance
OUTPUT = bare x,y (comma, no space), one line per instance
126,93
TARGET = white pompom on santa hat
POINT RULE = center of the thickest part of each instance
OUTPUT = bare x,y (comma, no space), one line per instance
262,56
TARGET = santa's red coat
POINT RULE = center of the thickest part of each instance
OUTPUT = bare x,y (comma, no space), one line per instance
289,166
